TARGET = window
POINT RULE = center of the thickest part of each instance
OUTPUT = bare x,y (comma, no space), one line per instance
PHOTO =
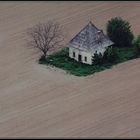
73,54
85,59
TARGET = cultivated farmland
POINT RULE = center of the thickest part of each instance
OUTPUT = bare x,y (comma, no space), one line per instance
41,101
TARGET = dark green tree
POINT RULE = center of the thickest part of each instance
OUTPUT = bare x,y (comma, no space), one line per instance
97,58
119,31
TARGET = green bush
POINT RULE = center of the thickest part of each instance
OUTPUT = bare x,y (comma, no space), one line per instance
136,44
110,55
119,32
97,58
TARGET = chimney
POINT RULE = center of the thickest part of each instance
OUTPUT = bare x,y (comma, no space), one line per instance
99,35
90,23
100,31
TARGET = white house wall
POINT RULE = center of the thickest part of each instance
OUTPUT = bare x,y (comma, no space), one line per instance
82,53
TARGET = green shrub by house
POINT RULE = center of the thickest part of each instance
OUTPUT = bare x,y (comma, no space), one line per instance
136,44
97,58
109,56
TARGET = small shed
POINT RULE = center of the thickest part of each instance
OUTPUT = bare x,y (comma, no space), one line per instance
87,42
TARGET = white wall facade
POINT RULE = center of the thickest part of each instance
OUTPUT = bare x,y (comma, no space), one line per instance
82,53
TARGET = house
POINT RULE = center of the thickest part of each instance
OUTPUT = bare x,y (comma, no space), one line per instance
87,42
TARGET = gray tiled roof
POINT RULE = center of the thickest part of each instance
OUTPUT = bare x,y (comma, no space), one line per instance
87,39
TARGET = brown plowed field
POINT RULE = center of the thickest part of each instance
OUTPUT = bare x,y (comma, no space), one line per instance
39,101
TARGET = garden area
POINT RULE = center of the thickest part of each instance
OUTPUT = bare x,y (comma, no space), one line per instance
62,60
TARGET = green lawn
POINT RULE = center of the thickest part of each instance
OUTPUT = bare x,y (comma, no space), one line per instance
62,60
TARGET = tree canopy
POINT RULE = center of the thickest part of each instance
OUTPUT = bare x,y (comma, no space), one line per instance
119,31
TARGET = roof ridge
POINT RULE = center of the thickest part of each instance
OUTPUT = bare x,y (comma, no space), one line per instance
90,22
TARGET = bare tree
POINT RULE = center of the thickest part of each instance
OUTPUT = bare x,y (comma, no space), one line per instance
46,36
